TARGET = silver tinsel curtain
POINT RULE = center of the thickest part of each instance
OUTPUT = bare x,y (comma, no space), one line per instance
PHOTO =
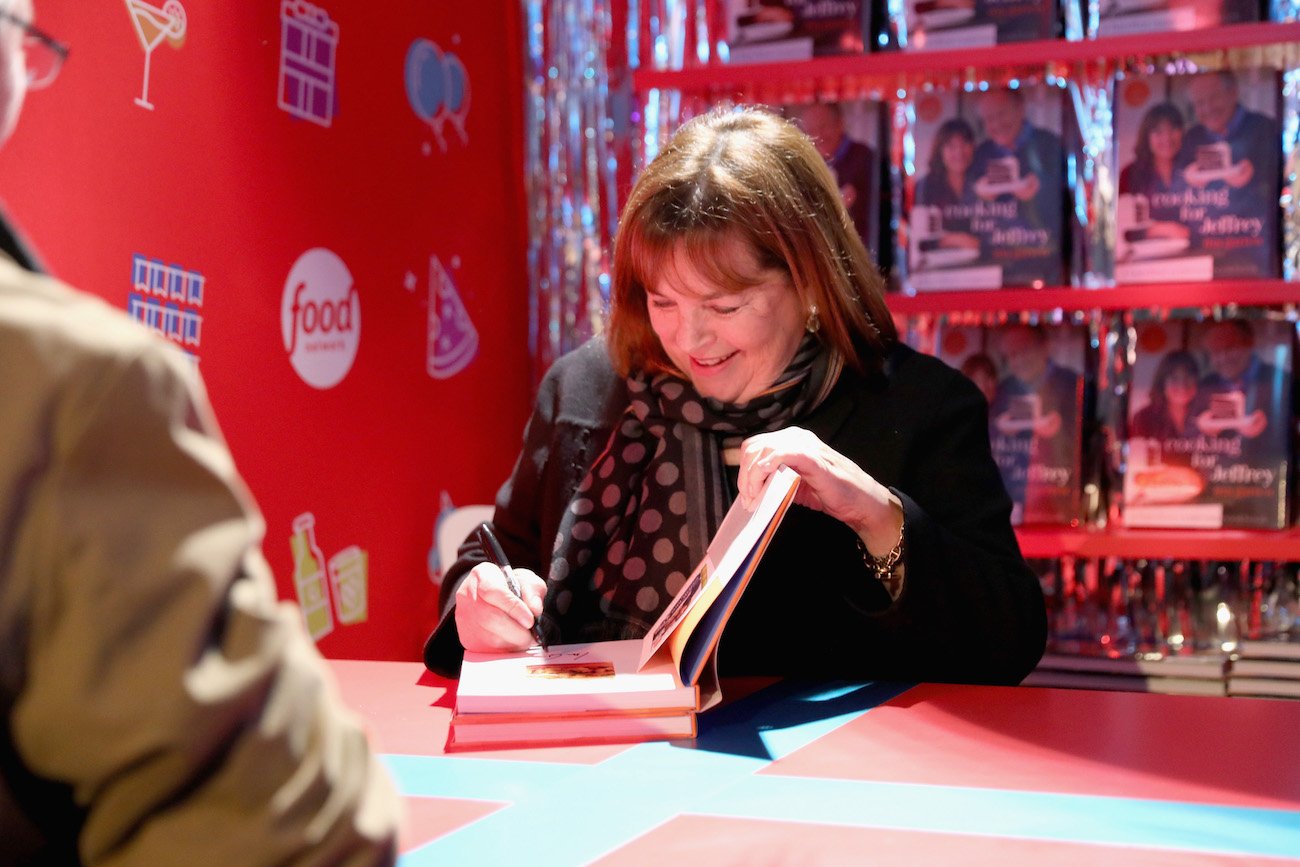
587,135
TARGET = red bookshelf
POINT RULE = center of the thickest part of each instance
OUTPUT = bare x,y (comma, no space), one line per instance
1256,545
888,65
1258,293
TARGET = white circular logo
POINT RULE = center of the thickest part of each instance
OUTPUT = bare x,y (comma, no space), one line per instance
320,318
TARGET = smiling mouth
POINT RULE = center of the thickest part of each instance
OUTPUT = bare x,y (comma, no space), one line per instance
712,362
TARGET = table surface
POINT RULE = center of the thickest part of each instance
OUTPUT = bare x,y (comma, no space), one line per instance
802,773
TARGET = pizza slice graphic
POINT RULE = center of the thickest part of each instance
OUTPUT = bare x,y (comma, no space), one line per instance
453,340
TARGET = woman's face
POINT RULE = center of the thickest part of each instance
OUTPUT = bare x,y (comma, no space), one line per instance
1180,387
957,152
1165,140
731,345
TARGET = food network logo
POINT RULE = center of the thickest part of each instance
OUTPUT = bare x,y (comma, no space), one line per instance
320,318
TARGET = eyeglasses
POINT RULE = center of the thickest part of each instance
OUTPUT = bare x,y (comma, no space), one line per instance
45,54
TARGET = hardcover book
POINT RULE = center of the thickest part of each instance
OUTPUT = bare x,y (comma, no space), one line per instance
1199,184
984,202
766,31
1036,418
1034,379
1209,425
946,24
1117,17
849,137
511,731
966,348
632,689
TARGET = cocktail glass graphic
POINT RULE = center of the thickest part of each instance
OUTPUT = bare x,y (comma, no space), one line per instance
153,25
437,87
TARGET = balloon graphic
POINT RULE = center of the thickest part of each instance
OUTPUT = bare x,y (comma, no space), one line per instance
424,79
437,87
456,81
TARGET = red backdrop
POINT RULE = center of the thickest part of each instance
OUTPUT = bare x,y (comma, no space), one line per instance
407,168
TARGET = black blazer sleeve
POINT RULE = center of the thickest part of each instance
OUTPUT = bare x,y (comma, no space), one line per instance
577,403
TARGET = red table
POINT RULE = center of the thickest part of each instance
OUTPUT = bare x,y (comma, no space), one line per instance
846,773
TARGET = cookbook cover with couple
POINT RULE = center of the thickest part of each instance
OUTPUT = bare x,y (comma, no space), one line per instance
1209,425
1199,159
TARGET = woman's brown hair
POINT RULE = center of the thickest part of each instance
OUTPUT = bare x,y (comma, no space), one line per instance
745,173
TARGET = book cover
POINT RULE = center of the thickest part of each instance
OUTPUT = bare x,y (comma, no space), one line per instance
966,348
1118,17
1205,666
1209,425
671,669
928,25
766,31
505,731
1276,669
569,678
1199,184
984,196
1263,687
1036,418
1285,647
849,136
1127,683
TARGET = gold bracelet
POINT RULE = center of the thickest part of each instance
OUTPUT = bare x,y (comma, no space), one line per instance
883,567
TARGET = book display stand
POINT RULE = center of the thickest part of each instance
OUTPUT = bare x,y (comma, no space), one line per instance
1090,60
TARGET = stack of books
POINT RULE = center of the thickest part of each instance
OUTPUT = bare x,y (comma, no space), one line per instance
631,690
1197,674
570,694
1267,668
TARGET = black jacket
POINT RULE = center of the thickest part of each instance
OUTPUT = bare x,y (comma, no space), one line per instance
970,611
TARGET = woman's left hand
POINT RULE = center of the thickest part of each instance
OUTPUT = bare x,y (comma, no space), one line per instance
829,482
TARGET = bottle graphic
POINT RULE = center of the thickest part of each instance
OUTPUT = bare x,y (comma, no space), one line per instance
309,577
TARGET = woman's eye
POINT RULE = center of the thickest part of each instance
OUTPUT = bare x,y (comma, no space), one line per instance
661,304
723,311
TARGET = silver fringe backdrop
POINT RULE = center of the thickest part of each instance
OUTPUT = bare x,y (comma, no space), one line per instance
587,134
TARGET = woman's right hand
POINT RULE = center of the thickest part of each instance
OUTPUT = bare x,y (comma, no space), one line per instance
489,617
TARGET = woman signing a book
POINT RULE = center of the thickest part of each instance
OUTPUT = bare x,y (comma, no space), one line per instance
748,330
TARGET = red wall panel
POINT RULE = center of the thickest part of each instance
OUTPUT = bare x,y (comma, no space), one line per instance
219,180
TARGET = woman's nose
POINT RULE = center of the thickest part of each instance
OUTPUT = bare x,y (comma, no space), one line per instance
695,329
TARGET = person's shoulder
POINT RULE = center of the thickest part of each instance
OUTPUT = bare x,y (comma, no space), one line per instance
588,363
1259,119
922,384
1045,134
64,326
859,150
906,368
1130,177
582,384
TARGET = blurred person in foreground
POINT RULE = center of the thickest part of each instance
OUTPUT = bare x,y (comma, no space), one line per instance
747,330
159,705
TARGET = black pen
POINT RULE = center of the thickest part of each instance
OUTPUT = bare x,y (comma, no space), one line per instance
492,548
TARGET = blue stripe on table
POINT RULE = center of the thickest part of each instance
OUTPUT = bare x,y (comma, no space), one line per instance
638,789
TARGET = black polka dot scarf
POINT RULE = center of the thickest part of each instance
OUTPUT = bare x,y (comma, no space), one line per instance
641,519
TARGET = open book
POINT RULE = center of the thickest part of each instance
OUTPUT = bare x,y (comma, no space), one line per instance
633,689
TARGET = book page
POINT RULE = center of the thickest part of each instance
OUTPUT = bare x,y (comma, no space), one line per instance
732,551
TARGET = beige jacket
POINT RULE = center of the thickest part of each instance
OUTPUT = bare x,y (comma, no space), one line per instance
161,706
